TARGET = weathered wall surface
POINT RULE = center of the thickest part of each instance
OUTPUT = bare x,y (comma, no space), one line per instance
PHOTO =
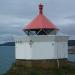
42,47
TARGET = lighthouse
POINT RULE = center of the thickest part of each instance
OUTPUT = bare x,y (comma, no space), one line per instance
41,42
40,25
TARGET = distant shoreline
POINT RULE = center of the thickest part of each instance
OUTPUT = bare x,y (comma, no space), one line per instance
71,53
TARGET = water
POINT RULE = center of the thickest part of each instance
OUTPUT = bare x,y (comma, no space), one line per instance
71,57
7,58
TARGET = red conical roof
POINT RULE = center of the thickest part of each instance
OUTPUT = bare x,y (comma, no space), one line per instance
40,22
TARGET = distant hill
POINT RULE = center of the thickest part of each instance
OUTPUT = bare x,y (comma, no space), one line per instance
71,43
8,44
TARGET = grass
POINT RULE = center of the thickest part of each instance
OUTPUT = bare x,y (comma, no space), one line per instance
66,69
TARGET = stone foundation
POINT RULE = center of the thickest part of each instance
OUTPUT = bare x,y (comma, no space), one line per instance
41,67
45,64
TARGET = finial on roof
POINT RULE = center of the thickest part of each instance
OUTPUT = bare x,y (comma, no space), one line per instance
41,2
41,7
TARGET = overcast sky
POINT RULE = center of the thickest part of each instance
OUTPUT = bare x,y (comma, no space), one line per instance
15,14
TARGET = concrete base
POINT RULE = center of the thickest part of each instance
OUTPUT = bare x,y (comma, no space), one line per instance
45,64
40,67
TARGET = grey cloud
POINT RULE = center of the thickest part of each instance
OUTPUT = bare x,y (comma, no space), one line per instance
6,38
28,8
14,14
17,7
70,17
11,30
68,29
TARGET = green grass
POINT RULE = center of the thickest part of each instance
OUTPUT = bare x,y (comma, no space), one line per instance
67,69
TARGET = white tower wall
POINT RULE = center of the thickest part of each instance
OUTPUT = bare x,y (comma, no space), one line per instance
42,47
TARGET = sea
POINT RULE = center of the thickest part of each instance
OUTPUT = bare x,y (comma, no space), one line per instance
7,58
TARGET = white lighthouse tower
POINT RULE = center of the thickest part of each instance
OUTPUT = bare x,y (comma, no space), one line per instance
41,41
